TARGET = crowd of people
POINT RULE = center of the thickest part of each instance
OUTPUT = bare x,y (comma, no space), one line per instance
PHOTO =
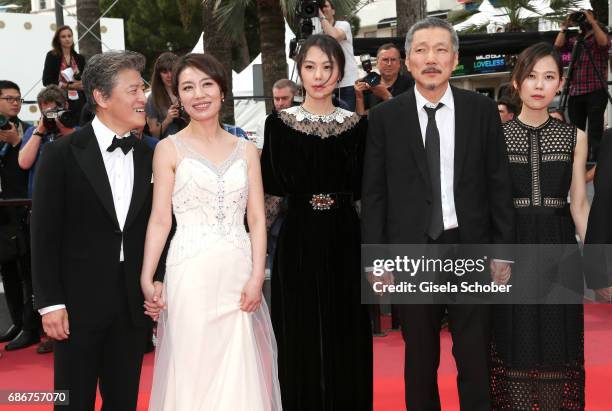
152,211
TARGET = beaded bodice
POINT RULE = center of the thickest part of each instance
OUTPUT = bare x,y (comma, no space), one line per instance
541,160
209,201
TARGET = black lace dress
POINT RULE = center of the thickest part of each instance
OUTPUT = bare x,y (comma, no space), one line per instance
322,329
538,350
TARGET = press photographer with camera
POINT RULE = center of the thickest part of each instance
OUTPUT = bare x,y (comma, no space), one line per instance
164,114
14,254
587,91
341,31
375,88
55,122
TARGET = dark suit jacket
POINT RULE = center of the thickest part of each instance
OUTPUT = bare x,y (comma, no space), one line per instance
397,198
53,61
76,237
598,242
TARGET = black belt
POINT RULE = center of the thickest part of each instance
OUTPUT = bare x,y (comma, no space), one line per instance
322,201
531,210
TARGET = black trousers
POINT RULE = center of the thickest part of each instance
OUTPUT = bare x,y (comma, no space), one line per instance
109,354
589,106
17,278
470,330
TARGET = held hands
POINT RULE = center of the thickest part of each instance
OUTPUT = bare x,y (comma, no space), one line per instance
56,324
500,272
605,294
250,299
154,299
387,278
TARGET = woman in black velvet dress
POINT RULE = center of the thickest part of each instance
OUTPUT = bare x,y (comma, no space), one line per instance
312,155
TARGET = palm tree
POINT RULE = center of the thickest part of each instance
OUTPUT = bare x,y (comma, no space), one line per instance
88,13
215,43
521,15
409,12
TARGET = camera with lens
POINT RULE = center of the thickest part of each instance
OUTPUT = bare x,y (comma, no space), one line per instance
66,117
307,9
577,17
5,123
372,78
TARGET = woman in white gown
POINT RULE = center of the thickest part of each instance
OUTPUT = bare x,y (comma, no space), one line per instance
216,349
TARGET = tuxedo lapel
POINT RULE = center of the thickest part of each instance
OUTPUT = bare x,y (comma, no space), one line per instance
87,154
462,130
142,181
408,123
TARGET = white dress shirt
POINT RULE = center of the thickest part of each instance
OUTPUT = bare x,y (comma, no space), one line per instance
445,120
120,171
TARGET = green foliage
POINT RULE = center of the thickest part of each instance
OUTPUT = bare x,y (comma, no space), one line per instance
231,13
155,26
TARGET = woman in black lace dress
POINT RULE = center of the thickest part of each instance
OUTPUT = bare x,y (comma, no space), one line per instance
313,156
538,350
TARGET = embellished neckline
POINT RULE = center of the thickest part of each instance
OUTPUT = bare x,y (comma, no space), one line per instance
322,126
528,127
218,169
301,114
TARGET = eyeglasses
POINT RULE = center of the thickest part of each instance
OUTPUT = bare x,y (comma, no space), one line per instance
12,99
389,60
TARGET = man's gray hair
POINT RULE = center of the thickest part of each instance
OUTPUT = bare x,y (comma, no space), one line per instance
101,72
282,83
429,23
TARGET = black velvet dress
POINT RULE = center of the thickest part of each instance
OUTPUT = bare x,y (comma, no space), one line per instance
322,329
538,350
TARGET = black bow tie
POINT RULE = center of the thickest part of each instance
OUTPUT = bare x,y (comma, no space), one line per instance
125,144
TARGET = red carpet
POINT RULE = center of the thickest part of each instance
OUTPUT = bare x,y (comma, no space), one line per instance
26,370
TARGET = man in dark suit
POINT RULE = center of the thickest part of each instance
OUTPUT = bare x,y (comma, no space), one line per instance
91,205
598,249
436,172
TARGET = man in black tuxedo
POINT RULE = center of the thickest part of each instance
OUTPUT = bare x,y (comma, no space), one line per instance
436,171
91,205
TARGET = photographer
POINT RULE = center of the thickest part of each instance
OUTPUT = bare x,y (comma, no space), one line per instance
14,256
164,116
341,31
587,94
388,84
55,122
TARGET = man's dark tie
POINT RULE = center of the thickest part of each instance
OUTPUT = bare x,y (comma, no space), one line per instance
125,144
432,149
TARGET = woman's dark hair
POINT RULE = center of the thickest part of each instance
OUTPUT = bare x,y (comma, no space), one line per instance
328,45
203,62
528,59
57,45
159,97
